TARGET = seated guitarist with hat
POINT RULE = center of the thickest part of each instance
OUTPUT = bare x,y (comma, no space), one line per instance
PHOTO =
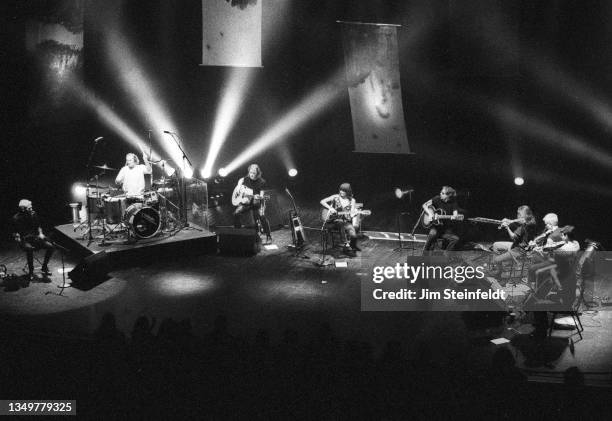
441,213
248,195
342,209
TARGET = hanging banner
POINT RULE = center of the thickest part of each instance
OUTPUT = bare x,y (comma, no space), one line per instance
231,33
54,34
372,72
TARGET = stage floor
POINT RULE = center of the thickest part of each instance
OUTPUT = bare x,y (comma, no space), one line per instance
279,289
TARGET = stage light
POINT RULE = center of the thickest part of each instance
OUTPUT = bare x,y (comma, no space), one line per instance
223,172
105,113
292,172
308,108
553,136
519,181
79,190
188,172
142,90
233,99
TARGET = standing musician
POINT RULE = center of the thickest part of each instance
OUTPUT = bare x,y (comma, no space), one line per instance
28,232
250,197
446,201
521,236
343,202
132,175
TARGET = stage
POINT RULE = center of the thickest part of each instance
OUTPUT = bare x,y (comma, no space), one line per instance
191,240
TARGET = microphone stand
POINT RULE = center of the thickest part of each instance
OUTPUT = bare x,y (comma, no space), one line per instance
183,194
64,285
88,166
323,261
399,225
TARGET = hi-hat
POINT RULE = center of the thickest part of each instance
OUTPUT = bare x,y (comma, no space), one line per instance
105,167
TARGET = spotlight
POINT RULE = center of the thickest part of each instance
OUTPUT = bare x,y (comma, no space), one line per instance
79,190
519,181
188,172
309,107
222,172
292,172
205,173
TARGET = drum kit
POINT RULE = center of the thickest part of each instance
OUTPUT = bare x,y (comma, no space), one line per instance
122,218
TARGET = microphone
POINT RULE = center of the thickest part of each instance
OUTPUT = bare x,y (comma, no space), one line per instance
166,131
97,139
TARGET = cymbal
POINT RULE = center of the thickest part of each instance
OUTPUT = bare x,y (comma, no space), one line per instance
93,186
105,167
160,182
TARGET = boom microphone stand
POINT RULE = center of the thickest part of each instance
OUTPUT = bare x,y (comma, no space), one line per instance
183,186
64,285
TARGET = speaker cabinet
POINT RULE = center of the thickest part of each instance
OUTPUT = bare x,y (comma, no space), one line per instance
238,241
91,271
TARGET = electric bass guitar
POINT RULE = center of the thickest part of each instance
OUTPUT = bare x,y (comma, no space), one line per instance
325,214
243,195
439,215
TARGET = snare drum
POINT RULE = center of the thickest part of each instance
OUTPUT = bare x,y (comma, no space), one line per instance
143,220
114,208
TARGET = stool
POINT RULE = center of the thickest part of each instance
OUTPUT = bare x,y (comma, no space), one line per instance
329,233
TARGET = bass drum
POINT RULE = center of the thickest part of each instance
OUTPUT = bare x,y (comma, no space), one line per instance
143,220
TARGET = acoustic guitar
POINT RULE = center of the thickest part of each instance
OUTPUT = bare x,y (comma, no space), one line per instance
243,195
297,230
325,214
439,216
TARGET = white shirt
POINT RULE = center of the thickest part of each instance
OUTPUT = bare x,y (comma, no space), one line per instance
132,179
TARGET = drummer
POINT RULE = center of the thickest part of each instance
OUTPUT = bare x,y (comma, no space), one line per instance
132,175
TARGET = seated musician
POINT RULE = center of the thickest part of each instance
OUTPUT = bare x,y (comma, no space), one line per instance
446,202
28,232
520,236
249,195
559,256
342,212
551,223
132,175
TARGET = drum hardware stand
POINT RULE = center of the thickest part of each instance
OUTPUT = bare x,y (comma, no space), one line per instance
98,206
88,166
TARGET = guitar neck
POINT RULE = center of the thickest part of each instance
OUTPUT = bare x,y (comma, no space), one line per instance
492,221
486,220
